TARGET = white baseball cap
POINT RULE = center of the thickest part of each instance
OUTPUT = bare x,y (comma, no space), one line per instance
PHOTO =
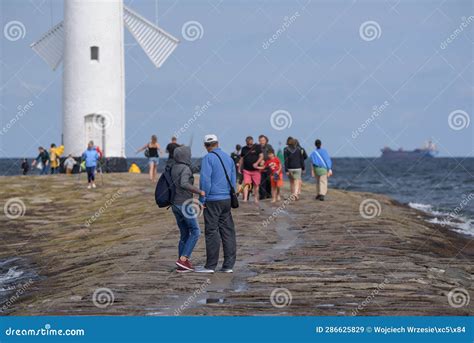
210,139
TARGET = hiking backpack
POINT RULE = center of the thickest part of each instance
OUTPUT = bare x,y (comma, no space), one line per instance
165,189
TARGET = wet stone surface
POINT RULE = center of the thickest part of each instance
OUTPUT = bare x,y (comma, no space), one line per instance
86,248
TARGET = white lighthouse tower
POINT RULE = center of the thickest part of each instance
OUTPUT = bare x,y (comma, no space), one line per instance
91,45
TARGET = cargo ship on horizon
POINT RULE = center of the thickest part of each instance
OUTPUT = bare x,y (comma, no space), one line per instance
429,151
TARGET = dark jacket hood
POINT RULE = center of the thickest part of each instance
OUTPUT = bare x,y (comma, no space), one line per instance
182,154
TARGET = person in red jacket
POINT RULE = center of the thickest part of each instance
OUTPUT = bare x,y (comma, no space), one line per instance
276,177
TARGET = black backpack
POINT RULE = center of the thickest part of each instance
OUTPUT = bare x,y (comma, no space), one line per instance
165,190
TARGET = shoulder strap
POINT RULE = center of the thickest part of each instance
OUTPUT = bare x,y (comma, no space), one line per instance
321,158
225,171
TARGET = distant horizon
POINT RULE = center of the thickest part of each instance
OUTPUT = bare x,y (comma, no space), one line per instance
334,157
275,146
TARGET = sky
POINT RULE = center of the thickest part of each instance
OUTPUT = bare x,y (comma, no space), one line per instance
359,75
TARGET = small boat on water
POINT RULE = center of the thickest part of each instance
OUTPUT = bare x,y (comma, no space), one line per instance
429,151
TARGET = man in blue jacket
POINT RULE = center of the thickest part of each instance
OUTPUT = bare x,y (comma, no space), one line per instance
219,225
322,169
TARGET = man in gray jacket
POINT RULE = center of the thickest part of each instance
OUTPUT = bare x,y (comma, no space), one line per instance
185,208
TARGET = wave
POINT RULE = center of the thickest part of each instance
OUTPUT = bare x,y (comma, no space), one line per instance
16,277
456,223
10,275
8,279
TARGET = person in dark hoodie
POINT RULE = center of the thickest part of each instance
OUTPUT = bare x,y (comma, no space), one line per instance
294,165
265,188
305,157
185,208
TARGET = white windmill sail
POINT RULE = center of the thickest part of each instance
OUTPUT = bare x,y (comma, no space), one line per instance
157,43
50,47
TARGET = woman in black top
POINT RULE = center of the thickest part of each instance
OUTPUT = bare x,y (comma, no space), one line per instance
294,165
152,151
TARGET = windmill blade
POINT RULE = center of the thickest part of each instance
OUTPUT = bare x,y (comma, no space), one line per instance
157,43
50,46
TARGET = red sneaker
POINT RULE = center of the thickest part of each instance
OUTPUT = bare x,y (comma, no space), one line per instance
184,264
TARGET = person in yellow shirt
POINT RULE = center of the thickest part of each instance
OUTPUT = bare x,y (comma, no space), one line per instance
54,155
134,169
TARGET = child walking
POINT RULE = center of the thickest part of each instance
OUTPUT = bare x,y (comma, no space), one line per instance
69,164
276,178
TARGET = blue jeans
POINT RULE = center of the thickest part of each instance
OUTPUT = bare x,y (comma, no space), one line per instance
44,170
90,174
189,229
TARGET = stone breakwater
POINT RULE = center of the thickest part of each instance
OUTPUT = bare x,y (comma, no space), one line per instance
338,257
